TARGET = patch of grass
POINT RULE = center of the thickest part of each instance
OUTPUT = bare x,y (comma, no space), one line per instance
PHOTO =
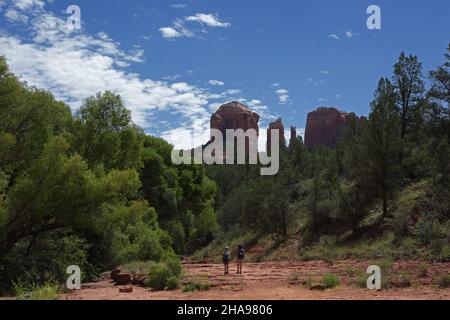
444,281
330,281
197,285
361,281
31,291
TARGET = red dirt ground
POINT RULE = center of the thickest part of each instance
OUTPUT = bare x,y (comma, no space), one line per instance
270,281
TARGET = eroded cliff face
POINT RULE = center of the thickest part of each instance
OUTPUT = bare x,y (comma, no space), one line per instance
234,115
324,126
277,125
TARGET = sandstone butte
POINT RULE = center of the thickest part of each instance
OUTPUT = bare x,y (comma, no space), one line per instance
323,126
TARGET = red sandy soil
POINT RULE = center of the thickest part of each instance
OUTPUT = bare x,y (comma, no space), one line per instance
270,281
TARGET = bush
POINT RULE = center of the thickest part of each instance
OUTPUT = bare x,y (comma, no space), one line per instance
361,281
173,283
31,291
330,281
194,286
444,281
174,265
428,229
159,277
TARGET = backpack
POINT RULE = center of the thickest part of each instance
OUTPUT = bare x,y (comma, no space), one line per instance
226,256
241,253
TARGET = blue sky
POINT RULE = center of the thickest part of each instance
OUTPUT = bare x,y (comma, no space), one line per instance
175,62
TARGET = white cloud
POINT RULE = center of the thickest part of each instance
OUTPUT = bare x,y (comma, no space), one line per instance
178,6
15,16
351,34
177,31
283,96
316,83
179,28
74,66
210,20
325,72
26,4
168,33
216,83
333,36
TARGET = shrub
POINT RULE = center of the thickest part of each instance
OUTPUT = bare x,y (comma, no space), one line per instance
330,281
159,276
173,283
444,281
361,281
196,286
31,291
174,265
428,229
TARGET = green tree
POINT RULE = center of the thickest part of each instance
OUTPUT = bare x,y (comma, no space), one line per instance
377,151
104,134
409,88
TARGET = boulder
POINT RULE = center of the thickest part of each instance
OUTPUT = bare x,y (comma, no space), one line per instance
123,279
114,274
126,290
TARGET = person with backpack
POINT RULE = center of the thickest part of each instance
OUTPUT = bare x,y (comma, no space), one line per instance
240,258
226,259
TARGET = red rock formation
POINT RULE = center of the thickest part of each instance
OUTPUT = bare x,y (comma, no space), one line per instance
293,136
277,125
234,115
324,125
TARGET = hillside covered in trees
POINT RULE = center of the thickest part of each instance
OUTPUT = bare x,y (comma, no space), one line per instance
91,189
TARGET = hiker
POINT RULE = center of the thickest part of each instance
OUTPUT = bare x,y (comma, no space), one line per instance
240,258
226,259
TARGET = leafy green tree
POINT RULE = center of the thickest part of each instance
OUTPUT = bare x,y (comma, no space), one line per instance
104,134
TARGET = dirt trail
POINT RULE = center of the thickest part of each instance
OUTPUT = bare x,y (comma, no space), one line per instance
274,280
